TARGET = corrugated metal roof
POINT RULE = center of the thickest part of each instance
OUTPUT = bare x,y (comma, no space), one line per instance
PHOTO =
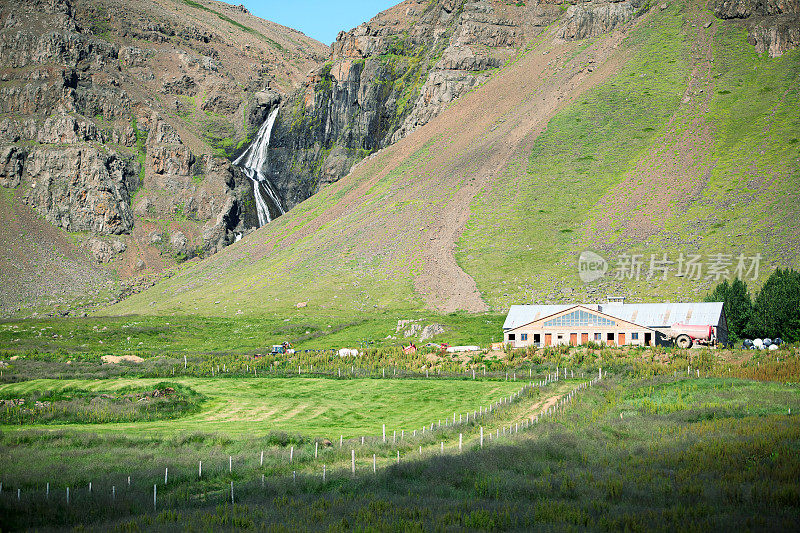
666,314
649,315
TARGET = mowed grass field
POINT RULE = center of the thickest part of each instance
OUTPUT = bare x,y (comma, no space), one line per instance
312,407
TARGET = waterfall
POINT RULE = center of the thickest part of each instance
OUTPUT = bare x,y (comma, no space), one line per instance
251,162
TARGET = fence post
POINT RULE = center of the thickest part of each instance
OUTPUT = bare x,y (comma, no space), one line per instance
262,457
442,448
47,495
384,433
166,474
353,461
90,486
323,473
374,467
154,497
291,454
114,492
230,463
316,451
460,438
231,492
200,469
398,456
481,436
340,440
67,495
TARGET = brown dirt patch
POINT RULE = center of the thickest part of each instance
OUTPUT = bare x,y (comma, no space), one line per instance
116,359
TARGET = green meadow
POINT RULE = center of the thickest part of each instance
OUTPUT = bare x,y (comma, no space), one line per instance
312,407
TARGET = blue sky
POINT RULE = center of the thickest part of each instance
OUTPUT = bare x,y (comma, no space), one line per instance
317,19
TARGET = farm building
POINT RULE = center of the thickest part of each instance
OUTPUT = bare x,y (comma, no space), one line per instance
614,323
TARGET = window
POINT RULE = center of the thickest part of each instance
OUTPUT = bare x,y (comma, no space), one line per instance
578,318
523,337
511,336
634,336
598,336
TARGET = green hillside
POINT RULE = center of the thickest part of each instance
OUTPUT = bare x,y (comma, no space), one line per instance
634,168
671,138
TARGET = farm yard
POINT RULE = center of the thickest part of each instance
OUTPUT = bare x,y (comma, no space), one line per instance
703,439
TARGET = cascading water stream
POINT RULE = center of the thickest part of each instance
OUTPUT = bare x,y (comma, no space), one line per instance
251,162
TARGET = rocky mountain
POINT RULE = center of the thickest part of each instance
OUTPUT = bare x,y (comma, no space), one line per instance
655,134
118,120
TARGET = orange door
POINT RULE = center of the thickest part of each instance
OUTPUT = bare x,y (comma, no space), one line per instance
621,337
548,339
573,339
610,341
584,338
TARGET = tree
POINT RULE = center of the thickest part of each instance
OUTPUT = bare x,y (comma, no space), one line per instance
776,310
738,306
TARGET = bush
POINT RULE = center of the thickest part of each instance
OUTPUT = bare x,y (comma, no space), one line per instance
738,306
776,310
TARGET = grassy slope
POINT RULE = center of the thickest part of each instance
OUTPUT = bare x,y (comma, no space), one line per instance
363,244
311,407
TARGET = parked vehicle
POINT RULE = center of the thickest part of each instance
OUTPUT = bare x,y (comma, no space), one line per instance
285,348
685,335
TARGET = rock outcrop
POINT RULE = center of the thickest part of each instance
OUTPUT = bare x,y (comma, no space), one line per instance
12,162
774,25
591,19
81,188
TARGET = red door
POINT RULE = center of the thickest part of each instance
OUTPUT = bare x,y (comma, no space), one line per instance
548,339
573,339
584,338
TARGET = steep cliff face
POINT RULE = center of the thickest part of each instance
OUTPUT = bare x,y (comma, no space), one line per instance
118,118
774,25
389,76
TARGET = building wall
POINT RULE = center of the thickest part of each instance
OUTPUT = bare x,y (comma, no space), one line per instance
582,335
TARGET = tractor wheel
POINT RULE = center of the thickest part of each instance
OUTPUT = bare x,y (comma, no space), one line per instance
684,341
